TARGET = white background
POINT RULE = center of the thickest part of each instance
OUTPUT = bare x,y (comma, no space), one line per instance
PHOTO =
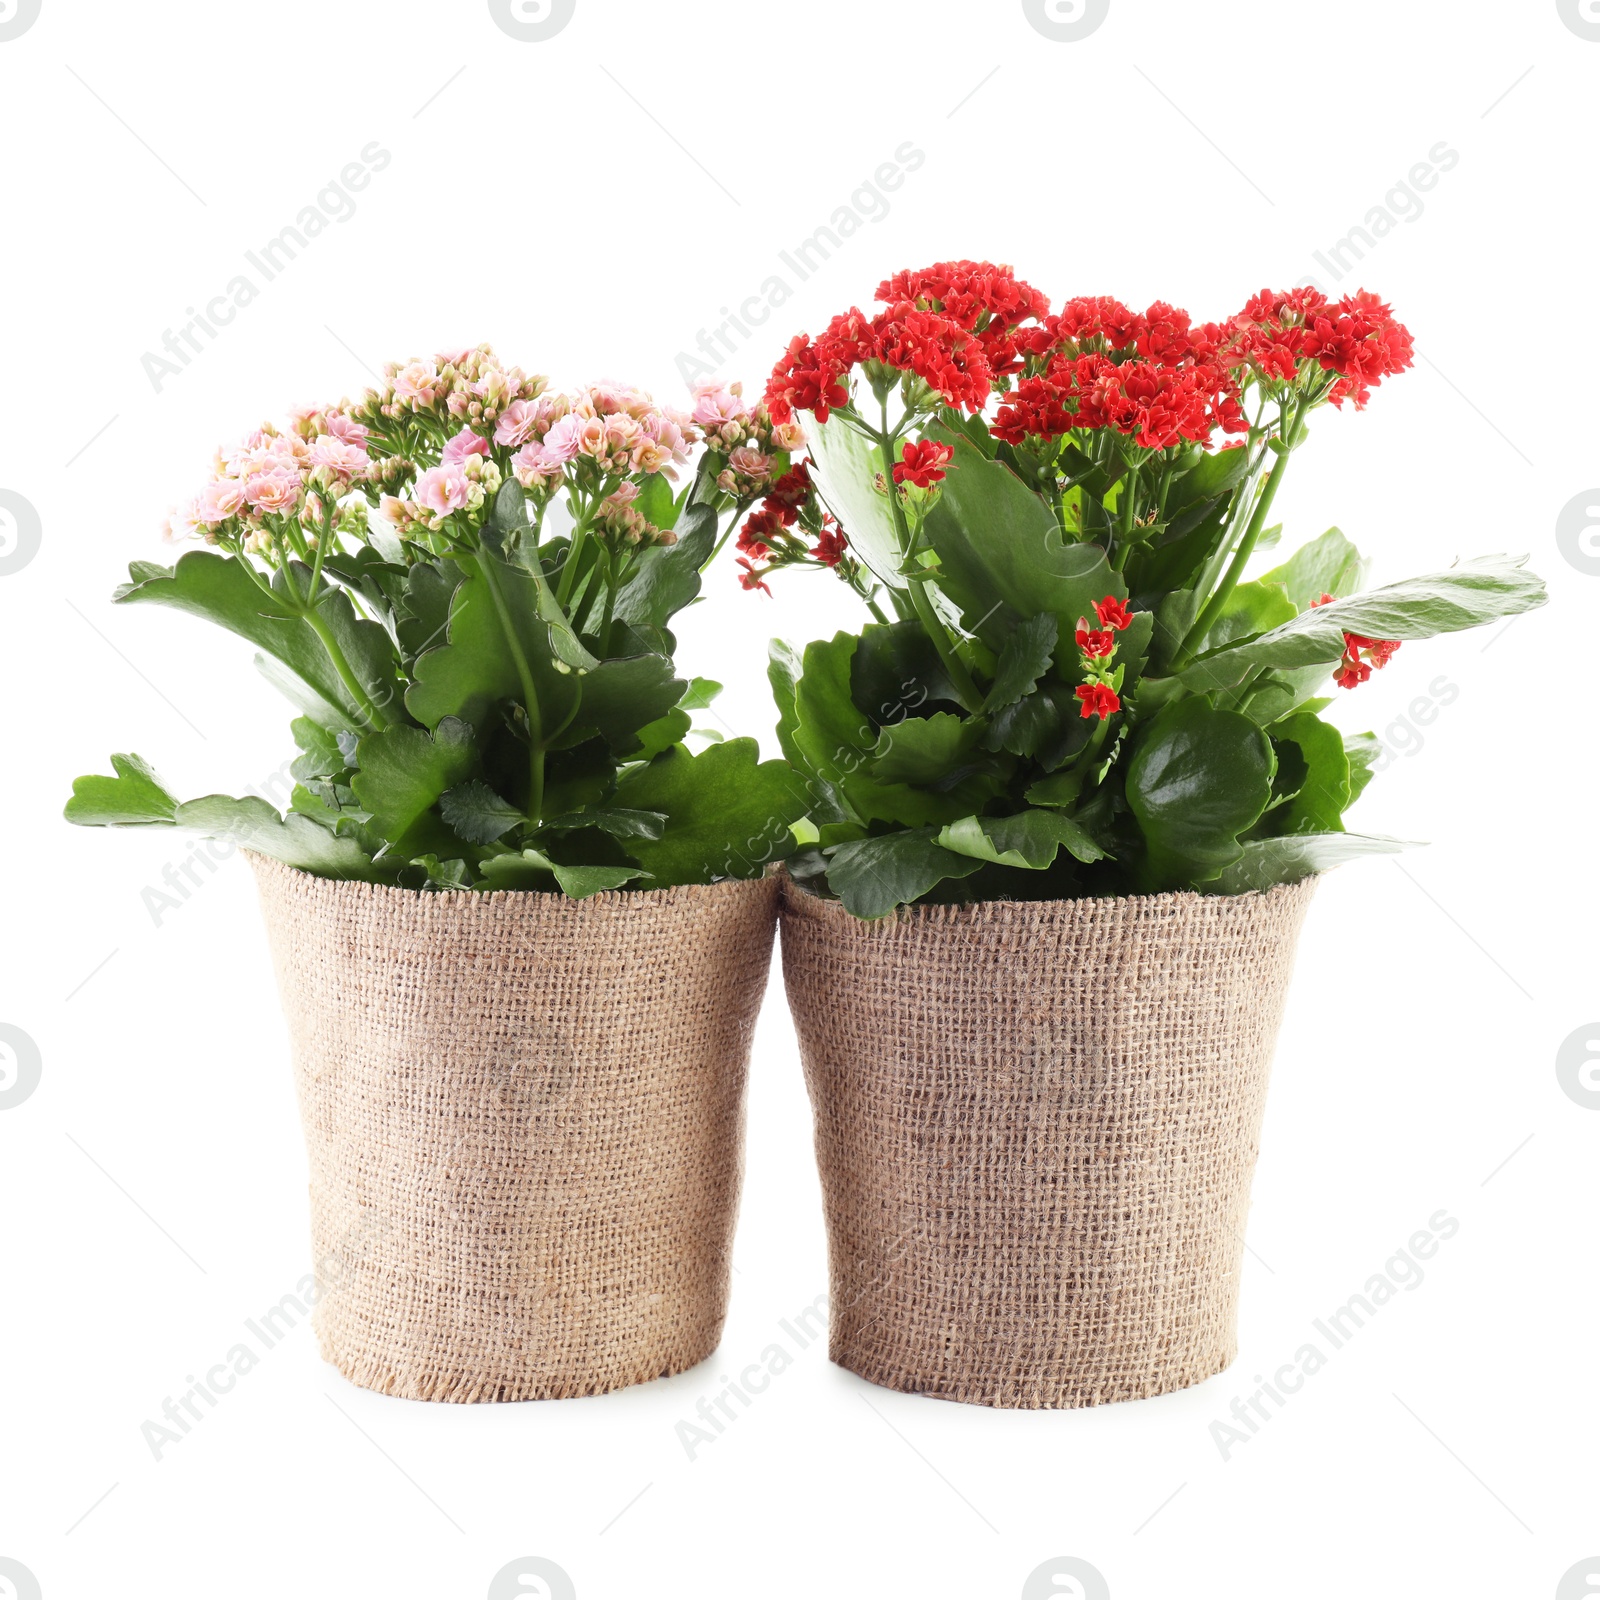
588,204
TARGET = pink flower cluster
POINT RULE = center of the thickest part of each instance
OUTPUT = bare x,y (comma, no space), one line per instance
271,473
470,384
621,430
746,434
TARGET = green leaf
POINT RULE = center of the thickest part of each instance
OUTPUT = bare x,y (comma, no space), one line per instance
1198,778
727,814
1047,725
1325,791
660,735
404,771
619,697
1466,596
1330,564
831,733
476,671
922,750
520,869
700,694
423,613
135,797
844,467
609,819
578,883
476,813
896,672
444,874
219,589
1024,659
783,673
295,840
873,876
656,502
1265,862
1252,608
1363,751
668,576
1030,839
320,755
1002,556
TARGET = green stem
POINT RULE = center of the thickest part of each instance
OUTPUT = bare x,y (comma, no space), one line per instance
370,713
960,677
1214,607
530,698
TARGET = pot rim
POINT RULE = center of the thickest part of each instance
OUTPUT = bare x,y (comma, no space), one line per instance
807,902
544,899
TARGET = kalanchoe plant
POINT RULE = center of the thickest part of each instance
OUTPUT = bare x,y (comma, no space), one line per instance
465,583
1079,690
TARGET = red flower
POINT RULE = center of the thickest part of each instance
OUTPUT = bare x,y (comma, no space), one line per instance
984,299
1099,700
759,527
1113,613
1352,671
922,463
751,578
1095,643
790,493
831,544
1357,337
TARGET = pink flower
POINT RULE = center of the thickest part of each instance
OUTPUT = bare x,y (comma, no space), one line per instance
342,427
442,490
652,457
220,499
788,436
416,383
517,424
591,437
273,491
750,462
565,437
466,443
536,461
345,461
715,405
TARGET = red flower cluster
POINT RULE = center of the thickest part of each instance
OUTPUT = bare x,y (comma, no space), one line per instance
954,325
1096,647
1157,378
922,463
1357,337
984,299
1361,655
775,532
781,509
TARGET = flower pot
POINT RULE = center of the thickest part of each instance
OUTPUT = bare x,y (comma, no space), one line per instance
524,1116
1036,1125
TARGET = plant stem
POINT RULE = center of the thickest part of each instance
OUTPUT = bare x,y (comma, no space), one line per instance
960,677
530,699
372,715
1241,558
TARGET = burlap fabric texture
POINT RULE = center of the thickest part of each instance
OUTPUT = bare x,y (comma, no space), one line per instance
1036,1125
525,1122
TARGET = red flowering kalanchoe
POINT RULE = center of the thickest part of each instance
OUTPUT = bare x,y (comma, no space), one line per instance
922,463
954,325
1361,655
1099,696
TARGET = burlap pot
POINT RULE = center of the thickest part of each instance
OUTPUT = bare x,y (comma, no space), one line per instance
525,1123
1036,1125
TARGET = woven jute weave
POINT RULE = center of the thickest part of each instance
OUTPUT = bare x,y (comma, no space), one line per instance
1036,1125
525,1123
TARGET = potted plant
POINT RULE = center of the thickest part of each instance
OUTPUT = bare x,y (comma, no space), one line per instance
1070,791
500,902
